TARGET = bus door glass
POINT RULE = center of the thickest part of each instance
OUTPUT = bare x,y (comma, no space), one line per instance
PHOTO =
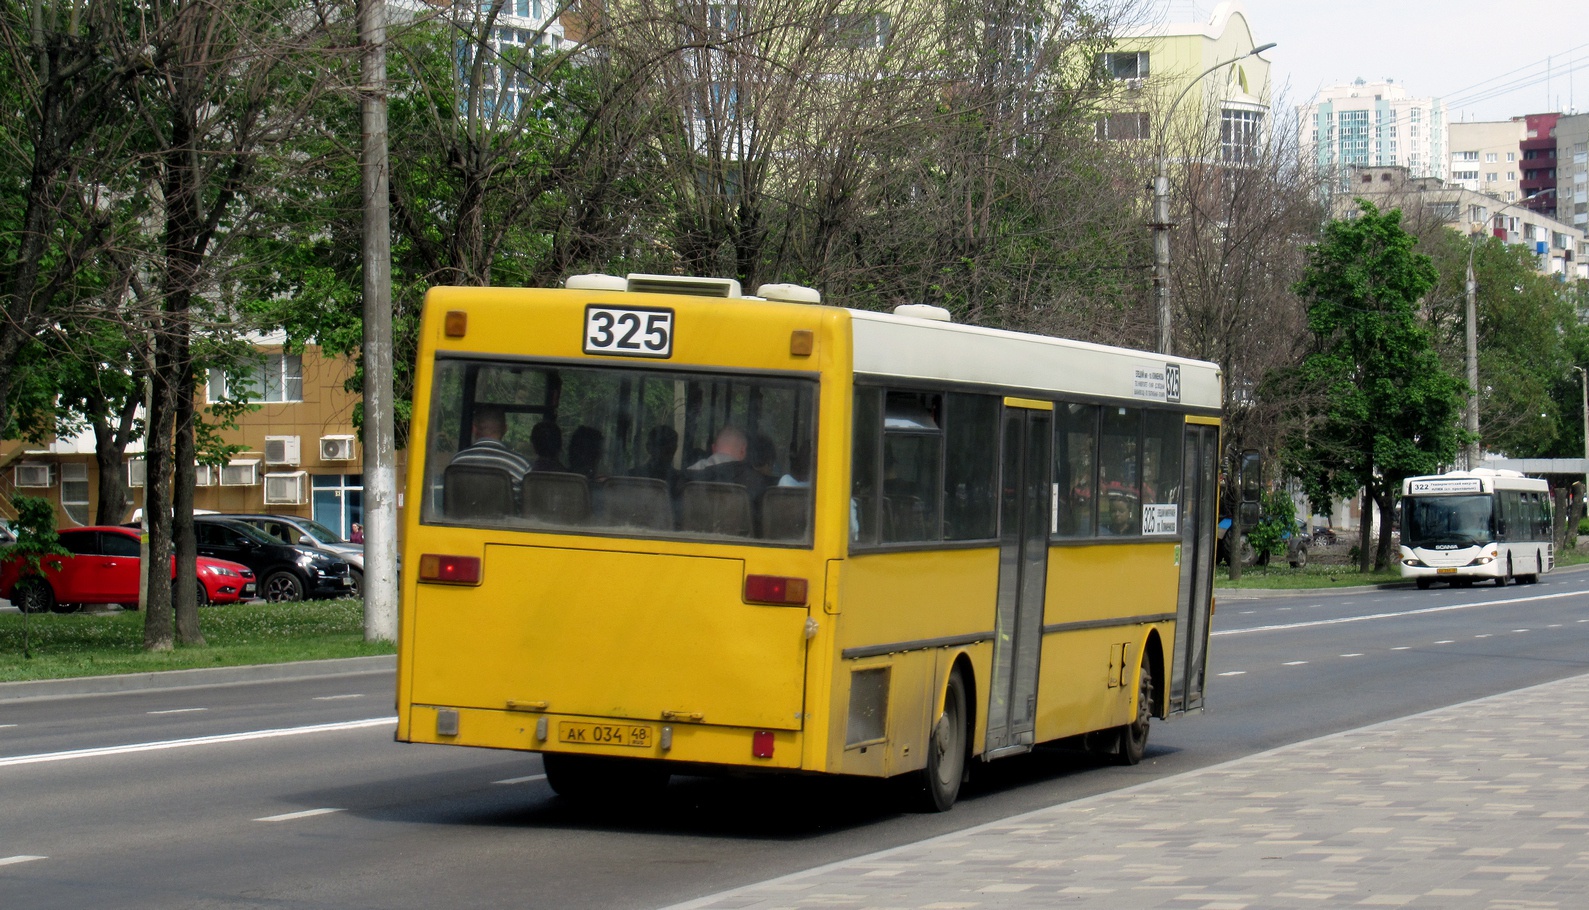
1199,506
1025,524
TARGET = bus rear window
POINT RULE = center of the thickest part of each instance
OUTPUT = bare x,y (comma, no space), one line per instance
640,453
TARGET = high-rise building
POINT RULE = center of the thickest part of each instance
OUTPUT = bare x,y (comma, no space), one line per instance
1572,171
1487,157
1374,124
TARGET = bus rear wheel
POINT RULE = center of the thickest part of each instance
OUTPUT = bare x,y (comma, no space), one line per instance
936,787
1133,737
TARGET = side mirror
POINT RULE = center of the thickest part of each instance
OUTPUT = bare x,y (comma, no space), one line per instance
306,541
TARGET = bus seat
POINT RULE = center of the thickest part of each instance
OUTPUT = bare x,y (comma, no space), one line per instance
556,497
709,507
636,502
474,491
785,513
904,517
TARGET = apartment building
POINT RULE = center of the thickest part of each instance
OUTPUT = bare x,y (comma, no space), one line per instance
1572,170
1155,65
300,452
1561,250
1486,157
1374,124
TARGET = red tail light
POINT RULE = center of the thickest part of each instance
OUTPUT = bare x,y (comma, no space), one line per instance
449,570
775,589
761,744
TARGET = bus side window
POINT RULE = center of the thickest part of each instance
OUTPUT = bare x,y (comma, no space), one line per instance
1075,468
971,467
865,465
912,466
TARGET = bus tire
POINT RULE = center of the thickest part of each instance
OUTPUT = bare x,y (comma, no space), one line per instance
936,787
1133,737
600,780
1423,584
1504,578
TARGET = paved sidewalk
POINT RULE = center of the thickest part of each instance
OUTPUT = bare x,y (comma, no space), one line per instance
1480,805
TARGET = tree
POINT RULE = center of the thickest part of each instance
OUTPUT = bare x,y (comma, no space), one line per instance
1380,406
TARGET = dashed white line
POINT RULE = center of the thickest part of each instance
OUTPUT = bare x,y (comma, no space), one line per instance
1294,663
6,726
21,858
533,777
1485,635
289,816
1402,648
1446,641
178,711
1522,630
195,741
1351,655
338,697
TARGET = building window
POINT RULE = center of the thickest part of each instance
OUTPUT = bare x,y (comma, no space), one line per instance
1489,157
74,491
1239,133
1126,65
1491,177
1511,175
1122,127
866,30
276,377
1511,156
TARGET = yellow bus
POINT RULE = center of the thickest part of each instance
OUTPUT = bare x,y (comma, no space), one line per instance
662,526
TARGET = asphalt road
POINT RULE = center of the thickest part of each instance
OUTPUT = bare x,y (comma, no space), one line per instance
291,794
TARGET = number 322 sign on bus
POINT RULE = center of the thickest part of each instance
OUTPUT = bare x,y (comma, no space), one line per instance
629,331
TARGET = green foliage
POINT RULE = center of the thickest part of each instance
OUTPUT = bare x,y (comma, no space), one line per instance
1377,404
1583,527
36,540
1278,523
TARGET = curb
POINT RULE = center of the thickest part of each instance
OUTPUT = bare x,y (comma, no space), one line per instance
188,679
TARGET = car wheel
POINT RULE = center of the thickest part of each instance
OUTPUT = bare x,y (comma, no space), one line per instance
280,586
202,596
1299,558
33,595
358,581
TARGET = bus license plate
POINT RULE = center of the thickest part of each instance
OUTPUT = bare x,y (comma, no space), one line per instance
578,734
1445,571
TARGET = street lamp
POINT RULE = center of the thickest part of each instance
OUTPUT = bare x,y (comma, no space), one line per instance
1161,203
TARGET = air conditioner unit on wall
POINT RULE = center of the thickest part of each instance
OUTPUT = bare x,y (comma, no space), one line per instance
336,448
281,450
205,475
241,473
285,489
32,474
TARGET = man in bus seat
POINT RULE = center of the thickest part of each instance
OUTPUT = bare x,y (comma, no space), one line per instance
1119,520
547,440
729,446
727,464
487,449
662,443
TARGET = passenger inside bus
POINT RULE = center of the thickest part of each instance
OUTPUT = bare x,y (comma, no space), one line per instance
547,441
487,450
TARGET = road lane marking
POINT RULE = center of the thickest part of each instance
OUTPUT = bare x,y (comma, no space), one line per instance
1446,641
194,741
337,697
1294,663
12,860
1234,673
1351,655
289,816
177,711
1368,616
525,780
6,726
1402,648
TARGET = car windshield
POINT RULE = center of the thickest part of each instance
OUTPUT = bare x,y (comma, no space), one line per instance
620,450
319,532
251,532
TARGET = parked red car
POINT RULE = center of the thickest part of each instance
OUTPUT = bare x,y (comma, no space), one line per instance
103,569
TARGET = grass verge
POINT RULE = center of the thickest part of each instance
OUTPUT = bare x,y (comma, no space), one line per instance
102,644
1322,575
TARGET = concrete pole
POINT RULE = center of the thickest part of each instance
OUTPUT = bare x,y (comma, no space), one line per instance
1473,364
380,473
1583,376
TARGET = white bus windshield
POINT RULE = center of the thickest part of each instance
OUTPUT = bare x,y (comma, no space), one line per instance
621,451
1459,521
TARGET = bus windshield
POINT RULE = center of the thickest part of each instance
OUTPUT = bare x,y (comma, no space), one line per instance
618,450
1463,521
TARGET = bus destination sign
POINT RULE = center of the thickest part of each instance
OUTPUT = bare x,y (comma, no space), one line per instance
1436,485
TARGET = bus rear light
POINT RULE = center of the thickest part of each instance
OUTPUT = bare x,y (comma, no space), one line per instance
456,323
775,589
761,744
449,570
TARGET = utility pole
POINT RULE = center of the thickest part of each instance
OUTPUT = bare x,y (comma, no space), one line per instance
1161,206
380,472
1473,363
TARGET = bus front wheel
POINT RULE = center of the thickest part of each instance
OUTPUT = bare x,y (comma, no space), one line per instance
937,786
1423,584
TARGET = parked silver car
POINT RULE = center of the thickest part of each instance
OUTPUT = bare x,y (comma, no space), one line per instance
310,533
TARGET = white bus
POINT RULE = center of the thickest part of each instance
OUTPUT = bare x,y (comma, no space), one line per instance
1479,524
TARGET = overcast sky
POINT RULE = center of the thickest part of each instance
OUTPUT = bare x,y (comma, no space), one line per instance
1487,61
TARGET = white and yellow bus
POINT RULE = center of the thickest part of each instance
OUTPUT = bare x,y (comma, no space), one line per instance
729,532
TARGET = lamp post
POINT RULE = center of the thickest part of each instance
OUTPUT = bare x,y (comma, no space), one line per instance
1583,375
1161,203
